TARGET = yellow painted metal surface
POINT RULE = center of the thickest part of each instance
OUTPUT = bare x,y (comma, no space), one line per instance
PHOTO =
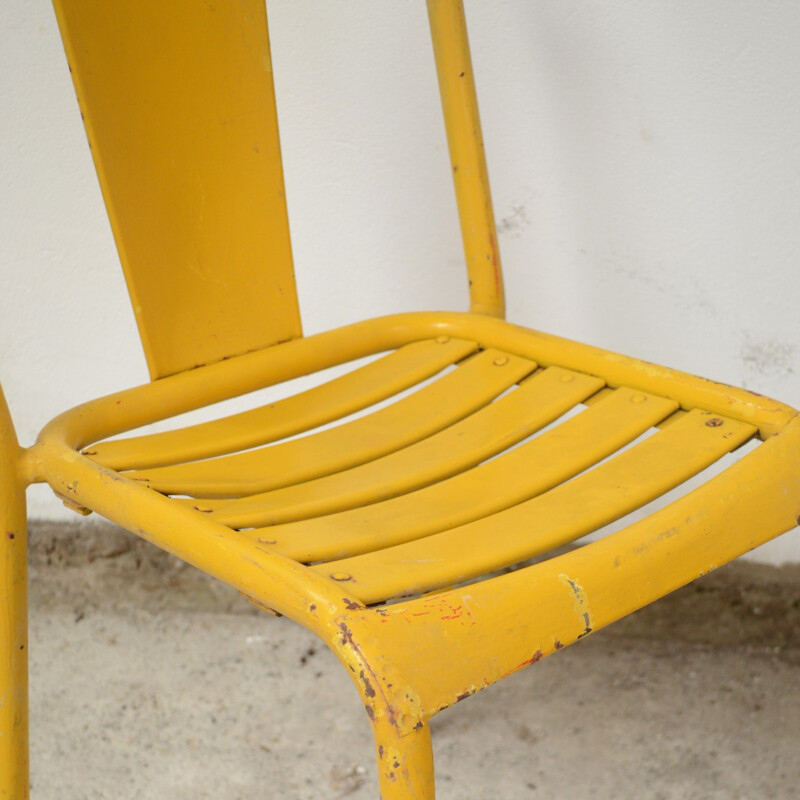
415,657
467,158
490,430
179,107
754,499
345,395
448,517
177,394
543,523
518,475
473,384
405,763
430,455
13,616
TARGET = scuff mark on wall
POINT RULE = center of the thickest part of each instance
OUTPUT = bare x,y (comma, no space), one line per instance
514,223
767,357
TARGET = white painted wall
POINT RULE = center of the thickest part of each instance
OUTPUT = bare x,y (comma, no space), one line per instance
645,163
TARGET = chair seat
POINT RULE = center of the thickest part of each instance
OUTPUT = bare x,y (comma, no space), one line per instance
413,511
474,459
420,503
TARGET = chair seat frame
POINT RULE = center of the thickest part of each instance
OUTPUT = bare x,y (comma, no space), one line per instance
411,658
581,591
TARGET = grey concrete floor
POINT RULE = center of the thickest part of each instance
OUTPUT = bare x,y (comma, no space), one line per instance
149,680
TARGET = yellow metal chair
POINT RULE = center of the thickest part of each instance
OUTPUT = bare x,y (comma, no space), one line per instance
396,536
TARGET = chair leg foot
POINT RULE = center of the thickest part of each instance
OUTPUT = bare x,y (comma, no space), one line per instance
13,619
405,763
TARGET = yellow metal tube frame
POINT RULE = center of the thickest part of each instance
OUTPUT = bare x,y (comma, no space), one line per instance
193,389
13,615
467,158
573,594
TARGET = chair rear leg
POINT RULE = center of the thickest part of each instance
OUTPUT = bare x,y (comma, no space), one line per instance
13,616
405,763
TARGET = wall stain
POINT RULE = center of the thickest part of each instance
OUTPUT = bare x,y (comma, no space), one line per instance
768,357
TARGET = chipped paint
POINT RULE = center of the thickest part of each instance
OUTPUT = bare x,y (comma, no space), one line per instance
369,690
394,756
537,656
466,693
71,504
580,603
259,604
406,711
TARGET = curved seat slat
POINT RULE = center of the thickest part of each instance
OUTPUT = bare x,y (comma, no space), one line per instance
471,385
351,392
522,473
538,401
564,514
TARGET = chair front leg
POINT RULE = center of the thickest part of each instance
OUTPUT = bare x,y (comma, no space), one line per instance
405,763
13,616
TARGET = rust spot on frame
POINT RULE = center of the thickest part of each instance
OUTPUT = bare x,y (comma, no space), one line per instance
537,656
365,674
369,691
465,694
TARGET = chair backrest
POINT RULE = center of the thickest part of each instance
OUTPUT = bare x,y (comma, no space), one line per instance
178,101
